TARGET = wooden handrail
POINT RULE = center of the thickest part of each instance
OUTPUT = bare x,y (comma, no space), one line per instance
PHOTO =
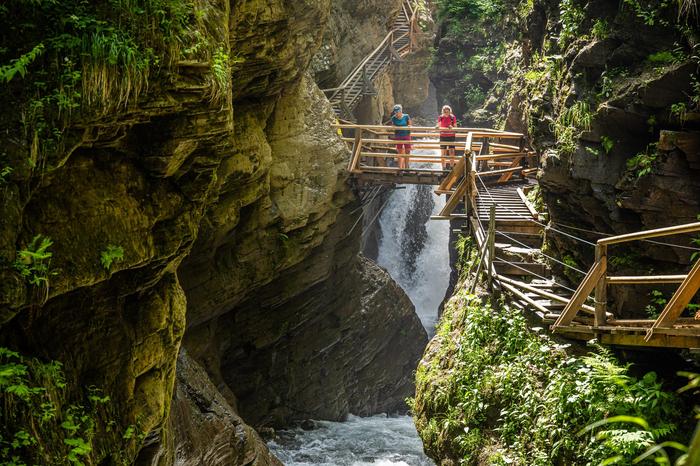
668,231
645,280
477,132
597,279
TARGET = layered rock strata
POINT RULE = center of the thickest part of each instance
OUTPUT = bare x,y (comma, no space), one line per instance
595,86
229,212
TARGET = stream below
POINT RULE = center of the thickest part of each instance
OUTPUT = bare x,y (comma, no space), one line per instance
414,250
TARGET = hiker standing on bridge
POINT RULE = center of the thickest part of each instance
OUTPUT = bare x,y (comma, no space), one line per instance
447,120
398,118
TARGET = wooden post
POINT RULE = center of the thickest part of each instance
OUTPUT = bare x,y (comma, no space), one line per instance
492,243
344,106
601,289
356,150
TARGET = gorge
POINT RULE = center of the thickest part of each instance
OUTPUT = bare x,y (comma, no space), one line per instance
186,262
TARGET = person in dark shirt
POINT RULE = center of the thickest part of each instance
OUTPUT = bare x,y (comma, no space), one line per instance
446,121
403,136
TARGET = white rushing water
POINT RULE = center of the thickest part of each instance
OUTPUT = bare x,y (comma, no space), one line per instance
377,441
419,260
414,250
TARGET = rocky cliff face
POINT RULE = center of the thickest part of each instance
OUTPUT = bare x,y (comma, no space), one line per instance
230,215
607,93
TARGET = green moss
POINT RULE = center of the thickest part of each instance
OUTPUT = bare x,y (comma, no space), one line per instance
60,60
42,426
489,383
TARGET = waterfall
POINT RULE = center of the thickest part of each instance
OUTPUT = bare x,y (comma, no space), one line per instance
414,249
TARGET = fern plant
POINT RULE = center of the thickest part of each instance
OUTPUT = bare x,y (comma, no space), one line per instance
34,262
111,255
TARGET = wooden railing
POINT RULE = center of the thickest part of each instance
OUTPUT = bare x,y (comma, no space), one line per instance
597,281
359,82
373,142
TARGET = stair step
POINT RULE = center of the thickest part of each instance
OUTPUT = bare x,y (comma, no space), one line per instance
519,268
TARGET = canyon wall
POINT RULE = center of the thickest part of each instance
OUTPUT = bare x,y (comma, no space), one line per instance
230,205
608,95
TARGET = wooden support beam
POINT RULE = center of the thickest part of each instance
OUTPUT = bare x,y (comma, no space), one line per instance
679,300
356,150
492,244
525,298
601,290
513,165
507,155
545,294
453,176
582,292
500,172
454,200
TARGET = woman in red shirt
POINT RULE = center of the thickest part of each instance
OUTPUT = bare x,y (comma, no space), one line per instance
447,138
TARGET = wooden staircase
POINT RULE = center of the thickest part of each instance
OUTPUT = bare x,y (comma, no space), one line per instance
397,44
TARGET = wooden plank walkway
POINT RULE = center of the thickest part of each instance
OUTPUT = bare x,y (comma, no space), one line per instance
491,200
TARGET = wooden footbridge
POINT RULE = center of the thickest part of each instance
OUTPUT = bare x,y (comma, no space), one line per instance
399,42
486,189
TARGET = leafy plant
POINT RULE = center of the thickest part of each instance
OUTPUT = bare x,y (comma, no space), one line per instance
601,29
571,122
664,57
607,144
20,65
110,255
41,426
643,163
649,14
679,111
4,174
494,381
34,262
657,303
571,16
695,242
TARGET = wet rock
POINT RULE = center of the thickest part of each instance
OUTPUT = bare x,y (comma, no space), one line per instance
205,429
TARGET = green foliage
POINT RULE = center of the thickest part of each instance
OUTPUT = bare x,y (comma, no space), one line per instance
466,251
76,55
34,262
474,96
21,64
643,163
679,111
656,304
471,9
662,58
601,29
607,144
494,382
5,173
40,426
695,242
655,451
608,80
649,12
571,17
571,122
110,255
536,199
